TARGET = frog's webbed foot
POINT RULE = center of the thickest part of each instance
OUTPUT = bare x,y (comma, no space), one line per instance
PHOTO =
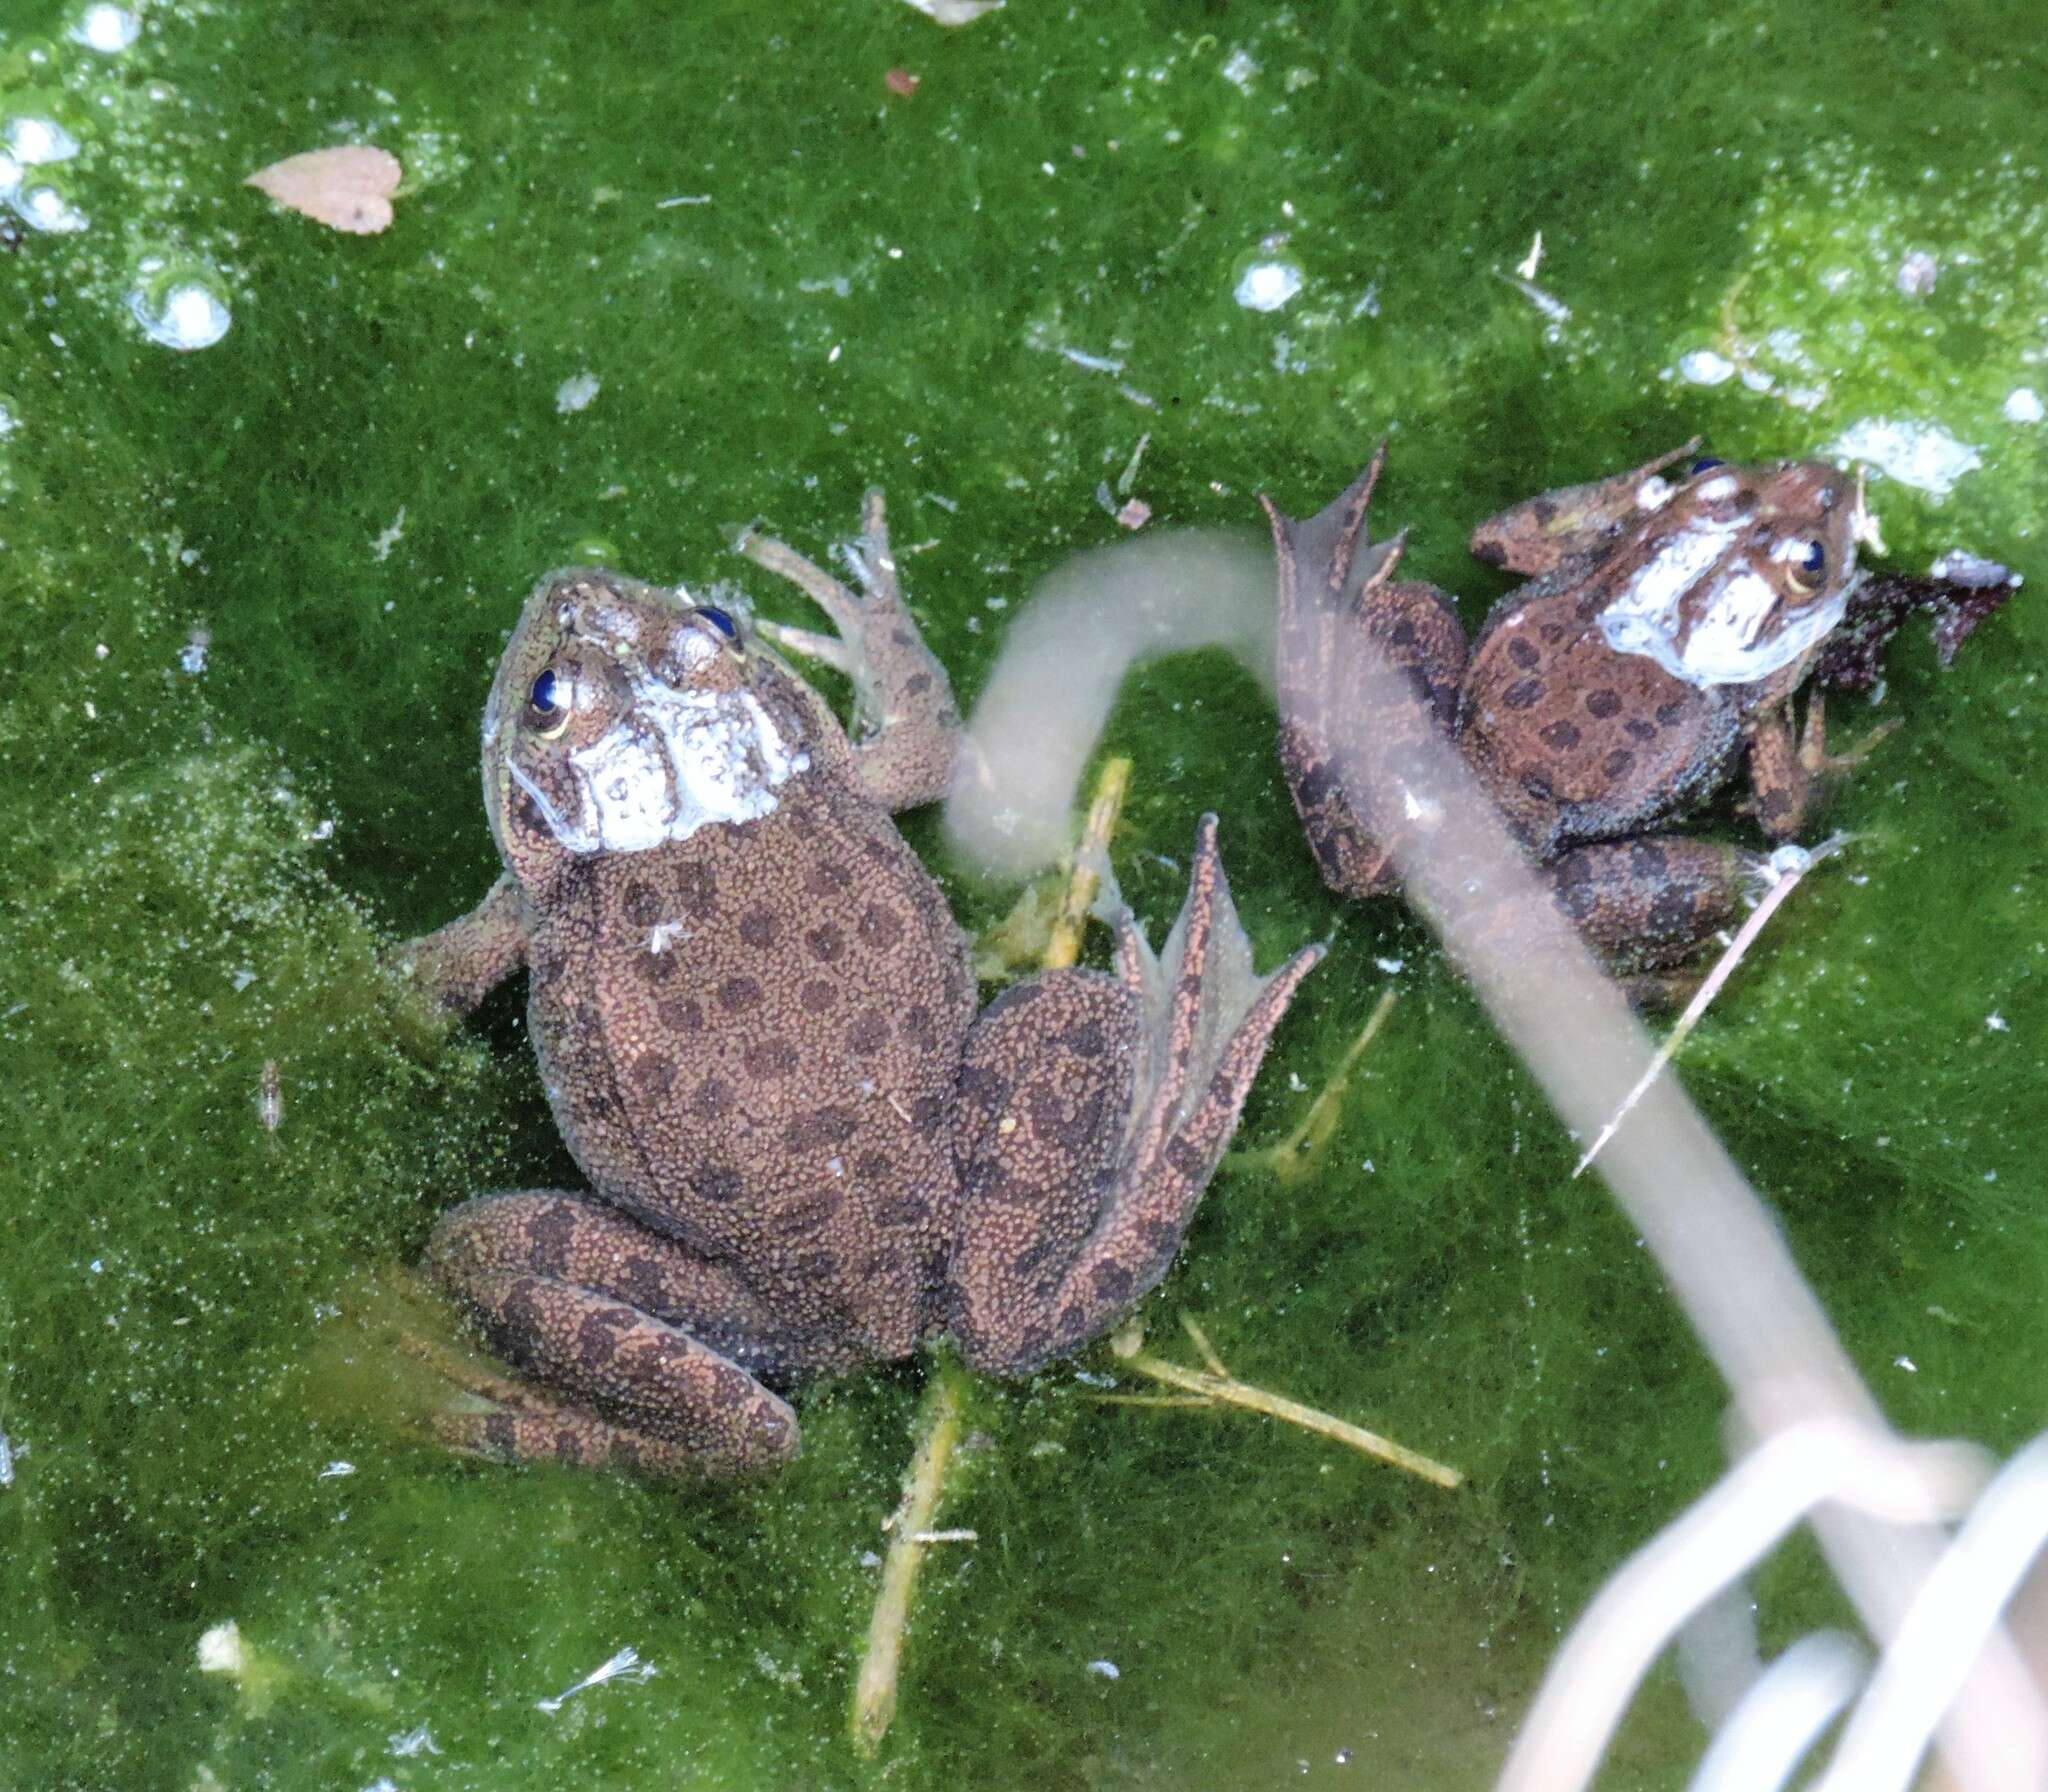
1093,1111
456,966
1790,783
906,727
1540,534
642,1355
1333,707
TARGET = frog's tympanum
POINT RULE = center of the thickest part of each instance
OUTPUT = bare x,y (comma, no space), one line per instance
1666,625
756,1025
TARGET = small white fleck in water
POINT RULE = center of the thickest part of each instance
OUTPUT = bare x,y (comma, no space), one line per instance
44,208
185,315
6,1460
414,1742
1240,70
1922,455
386,539
192,656
1997,1022
1917,274
334,1471
107,29
1906,1363
576,392
1702,367
1107,1669
1267,285
220,1649
34,140
2023,405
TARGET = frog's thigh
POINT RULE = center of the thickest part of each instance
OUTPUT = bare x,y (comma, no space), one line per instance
1046,1091
563,1290
1088,1133
1653,902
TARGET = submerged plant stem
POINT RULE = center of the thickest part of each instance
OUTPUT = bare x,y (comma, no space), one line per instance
1111,785
874,1689
1297,1151
1216,1383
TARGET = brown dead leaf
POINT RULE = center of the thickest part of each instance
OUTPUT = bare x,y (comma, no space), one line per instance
348,188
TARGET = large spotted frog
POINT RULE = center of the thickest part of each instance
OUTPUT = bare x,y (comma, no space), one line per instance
1666,627
756,1025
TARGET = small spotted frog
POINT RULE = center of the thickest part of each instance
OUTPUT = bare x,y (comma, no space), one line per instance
756,1025
1665,628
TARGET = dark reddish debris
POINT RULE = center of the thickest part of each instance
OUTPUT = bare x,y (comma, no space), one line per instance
1960,590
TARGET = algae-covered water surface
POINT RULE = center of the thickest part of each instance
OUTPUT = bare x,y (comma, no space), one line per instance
269,498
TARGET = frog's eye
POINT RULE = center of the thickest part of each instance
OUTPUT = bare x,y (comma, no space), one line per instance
544,706
1705,464
1806,561
719,620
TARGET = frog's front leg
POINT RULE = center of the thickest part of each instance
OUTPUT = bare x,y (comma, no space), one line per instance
1349,720
643,1355
1790,781
906,726
1540,534
1093,1111
461,963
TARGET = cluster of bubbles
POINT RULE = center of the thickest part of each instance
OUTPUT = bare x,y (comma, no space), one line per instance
177,301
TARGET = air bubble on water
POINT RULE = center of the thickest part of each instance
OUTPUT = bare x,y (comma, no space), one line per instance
179,306
1267,285
107,29
42,205
33,140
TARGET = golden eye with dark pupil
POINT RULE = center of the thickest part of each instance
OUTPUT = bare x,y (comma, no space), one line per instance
1806,566
544,706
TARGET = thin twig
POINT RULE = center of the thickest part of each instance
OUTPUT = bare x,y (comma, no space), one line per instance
1111,785
874,1691
1794,866
1216,1384
1297,1150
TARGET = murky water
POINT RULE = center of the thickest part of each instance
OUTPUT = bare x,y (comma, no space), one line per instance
655,274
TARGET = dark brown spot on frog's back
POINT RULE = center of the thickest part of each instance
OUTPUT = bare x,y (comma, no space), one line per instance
1560,734
825,942
1524,693
827,880
1524,652
697,889
655,968
653,1073
760,927
1618,763
832,1124
818,996
681,1014
867,1032
881,926
768,1059
640,904
739,995
1604,704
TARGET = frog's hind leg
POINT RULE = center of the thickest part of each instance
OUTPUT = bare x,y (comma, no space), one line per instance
645,1355
1093,1112
906,726
1649,905
1350,720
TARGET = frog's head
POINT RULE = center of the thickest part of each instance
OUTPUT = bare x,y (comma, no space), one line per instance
1737,572
625,717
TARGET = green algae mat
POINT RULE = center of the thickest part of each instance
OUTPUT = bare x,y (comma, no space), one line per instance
270,495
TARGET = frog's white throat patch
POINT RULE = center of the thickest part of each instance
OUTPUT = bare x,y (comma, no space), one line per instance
675,761
1704,620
